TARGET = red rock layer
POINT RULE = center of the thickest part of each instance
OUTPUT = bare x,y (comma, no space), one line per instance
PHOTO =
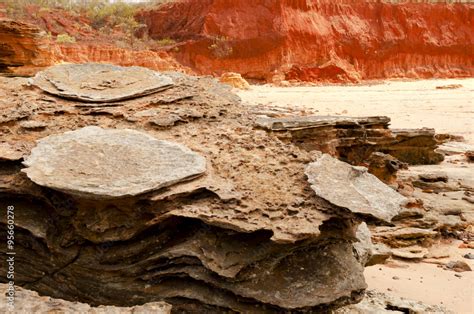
23,46
25,49
81,53
319,40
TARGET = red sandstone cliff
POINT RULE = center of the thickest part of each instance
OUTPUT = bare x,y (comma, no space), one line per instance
319,40
25,49
23,46
81,53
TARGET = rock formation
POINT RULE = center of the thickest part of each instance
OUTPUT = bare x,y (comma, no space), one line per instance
23,46
96,82
27,49
334,180
173,196
318,40
354,139
381,303
97,163
108,53
234,80
30,302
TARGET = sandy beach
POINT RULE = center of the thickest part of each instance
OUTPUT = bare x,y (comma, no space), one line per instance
410,104
426,282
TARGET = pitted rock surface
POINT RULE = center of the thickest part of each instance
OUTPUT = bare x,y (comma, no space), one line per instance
100,163
238,238
94,82
353,188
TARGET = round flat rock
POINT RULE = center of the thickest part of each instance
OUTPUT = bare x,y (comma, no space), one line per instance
97,82
101,163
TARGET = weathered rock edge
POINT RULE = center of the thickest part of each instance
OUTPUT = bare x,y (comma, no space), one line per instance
237,238
100,83
102,163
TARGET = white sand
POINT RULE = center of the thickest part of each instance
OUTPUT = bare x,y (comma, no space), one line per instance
412,104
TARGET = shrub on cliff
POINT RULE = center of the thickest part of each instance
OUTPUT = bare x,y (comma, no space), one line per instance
102,13
65,39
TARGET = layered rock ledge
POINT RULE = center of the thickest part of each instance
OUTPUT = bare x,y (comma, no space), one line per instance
173,196
355,139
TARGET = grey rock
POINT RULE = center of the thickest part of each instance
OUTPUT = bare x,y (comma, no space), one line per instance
469,255
364,247
353,188
437,176
380,253
458,266
298,122
368,253
27,301
95,82
410,253
32,125
10,152
103,163
455,148
378,303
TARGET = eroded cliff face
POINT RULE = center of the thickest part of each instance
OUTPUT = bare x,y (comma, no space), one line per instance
23,45
319,40
81,53
26,49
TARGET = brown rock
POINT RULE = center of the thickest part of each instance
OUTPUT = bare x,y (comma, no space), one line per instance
24,49
353,188
434,177
385,167
449,86
235,80
99,163
10,152
95,82
354,139
403,236
469,155
458,266
110,205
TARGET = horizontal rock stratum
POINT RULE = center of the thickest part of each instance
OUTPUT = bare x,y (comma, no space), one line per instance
319,40
24,45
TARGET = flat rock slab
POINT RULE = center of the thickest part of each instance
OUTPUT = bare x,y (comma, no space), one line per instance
27,301
304,122
353,188
96,82
105,163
